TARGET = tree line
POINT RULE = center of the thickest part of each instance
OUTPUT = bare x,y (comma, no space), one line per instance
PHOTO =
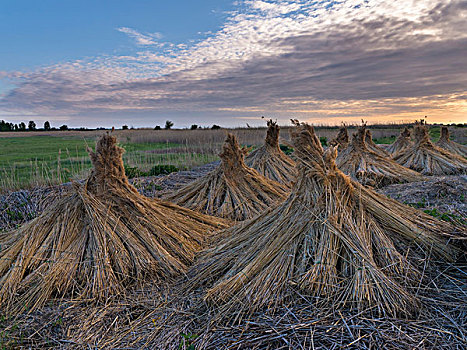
32,126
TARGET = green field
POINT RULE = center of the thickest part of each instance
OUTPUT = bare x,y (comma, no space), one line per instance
38,160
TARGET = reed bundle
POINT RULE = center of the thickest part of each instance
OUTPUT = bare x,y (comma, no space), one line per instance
332,238
445,143
372,146
402,141
232,190
342,139
99,240
425,157
370,168
270,161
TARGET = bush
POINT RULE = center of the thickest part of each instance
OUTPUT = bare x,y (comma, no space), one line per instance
162,169
286,149
125,127
158,127
132,172
323,140
215,127
194,127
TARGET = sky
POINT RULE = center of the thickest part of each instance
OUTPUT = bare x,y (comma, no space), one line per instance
141,62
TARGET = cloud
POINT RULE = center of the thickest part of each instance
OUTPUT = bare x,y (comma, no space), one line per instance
323,60
141,39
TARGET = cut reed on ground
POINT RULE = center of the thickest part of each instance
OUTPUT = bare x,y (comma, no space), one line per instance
332,239
270,161
232,190
98,241
425,157
447,144
370,168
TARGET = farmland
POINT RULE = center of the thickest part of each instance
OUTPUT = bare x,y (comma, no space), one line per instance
138,304
29,159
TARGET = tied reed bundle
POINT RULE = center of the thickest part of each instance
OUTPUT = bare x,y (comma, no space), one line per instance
403,141
342,139
371,168
232,190
372,146
331,238
270,161
99,240
445,143
425,157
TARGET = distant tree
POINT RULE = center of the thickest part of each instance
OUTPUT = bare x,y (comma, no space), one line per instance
64,127
158,127
16,127
22,126
31,125
46,126
215,127
125,127
168,125
5,126
194,127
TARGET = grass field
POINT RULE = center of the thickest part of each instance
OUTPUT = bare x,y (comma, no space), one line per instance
38,160
30,159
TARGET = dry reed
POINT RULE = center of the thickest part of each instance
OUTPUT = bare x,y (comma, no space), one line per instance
270,161
99,240
370,168
402,141
342,139
332,239
232,190
445,143
425,157
372,146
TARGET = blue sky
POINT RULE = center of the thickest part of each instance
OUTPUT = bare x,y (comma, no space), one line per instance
44,32
104,63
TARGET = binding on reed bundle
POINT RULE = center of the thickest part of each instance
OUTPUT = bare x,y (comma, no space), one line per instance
402,141
371,168
425,157
270,161
445,143
232,190
99,240
331,238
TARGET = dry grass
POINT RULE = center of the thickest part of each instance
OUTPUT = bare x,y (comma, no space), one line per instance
342,138
99,240
332,239
270,161
445,143
372,146
232,190
423,156
402,141
363,164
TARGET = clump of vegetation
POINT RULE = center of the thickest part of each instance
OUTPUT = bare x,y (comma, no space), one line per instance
270,161
447,144
403,141
363,164
332,239
99,240
425,157
232,190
